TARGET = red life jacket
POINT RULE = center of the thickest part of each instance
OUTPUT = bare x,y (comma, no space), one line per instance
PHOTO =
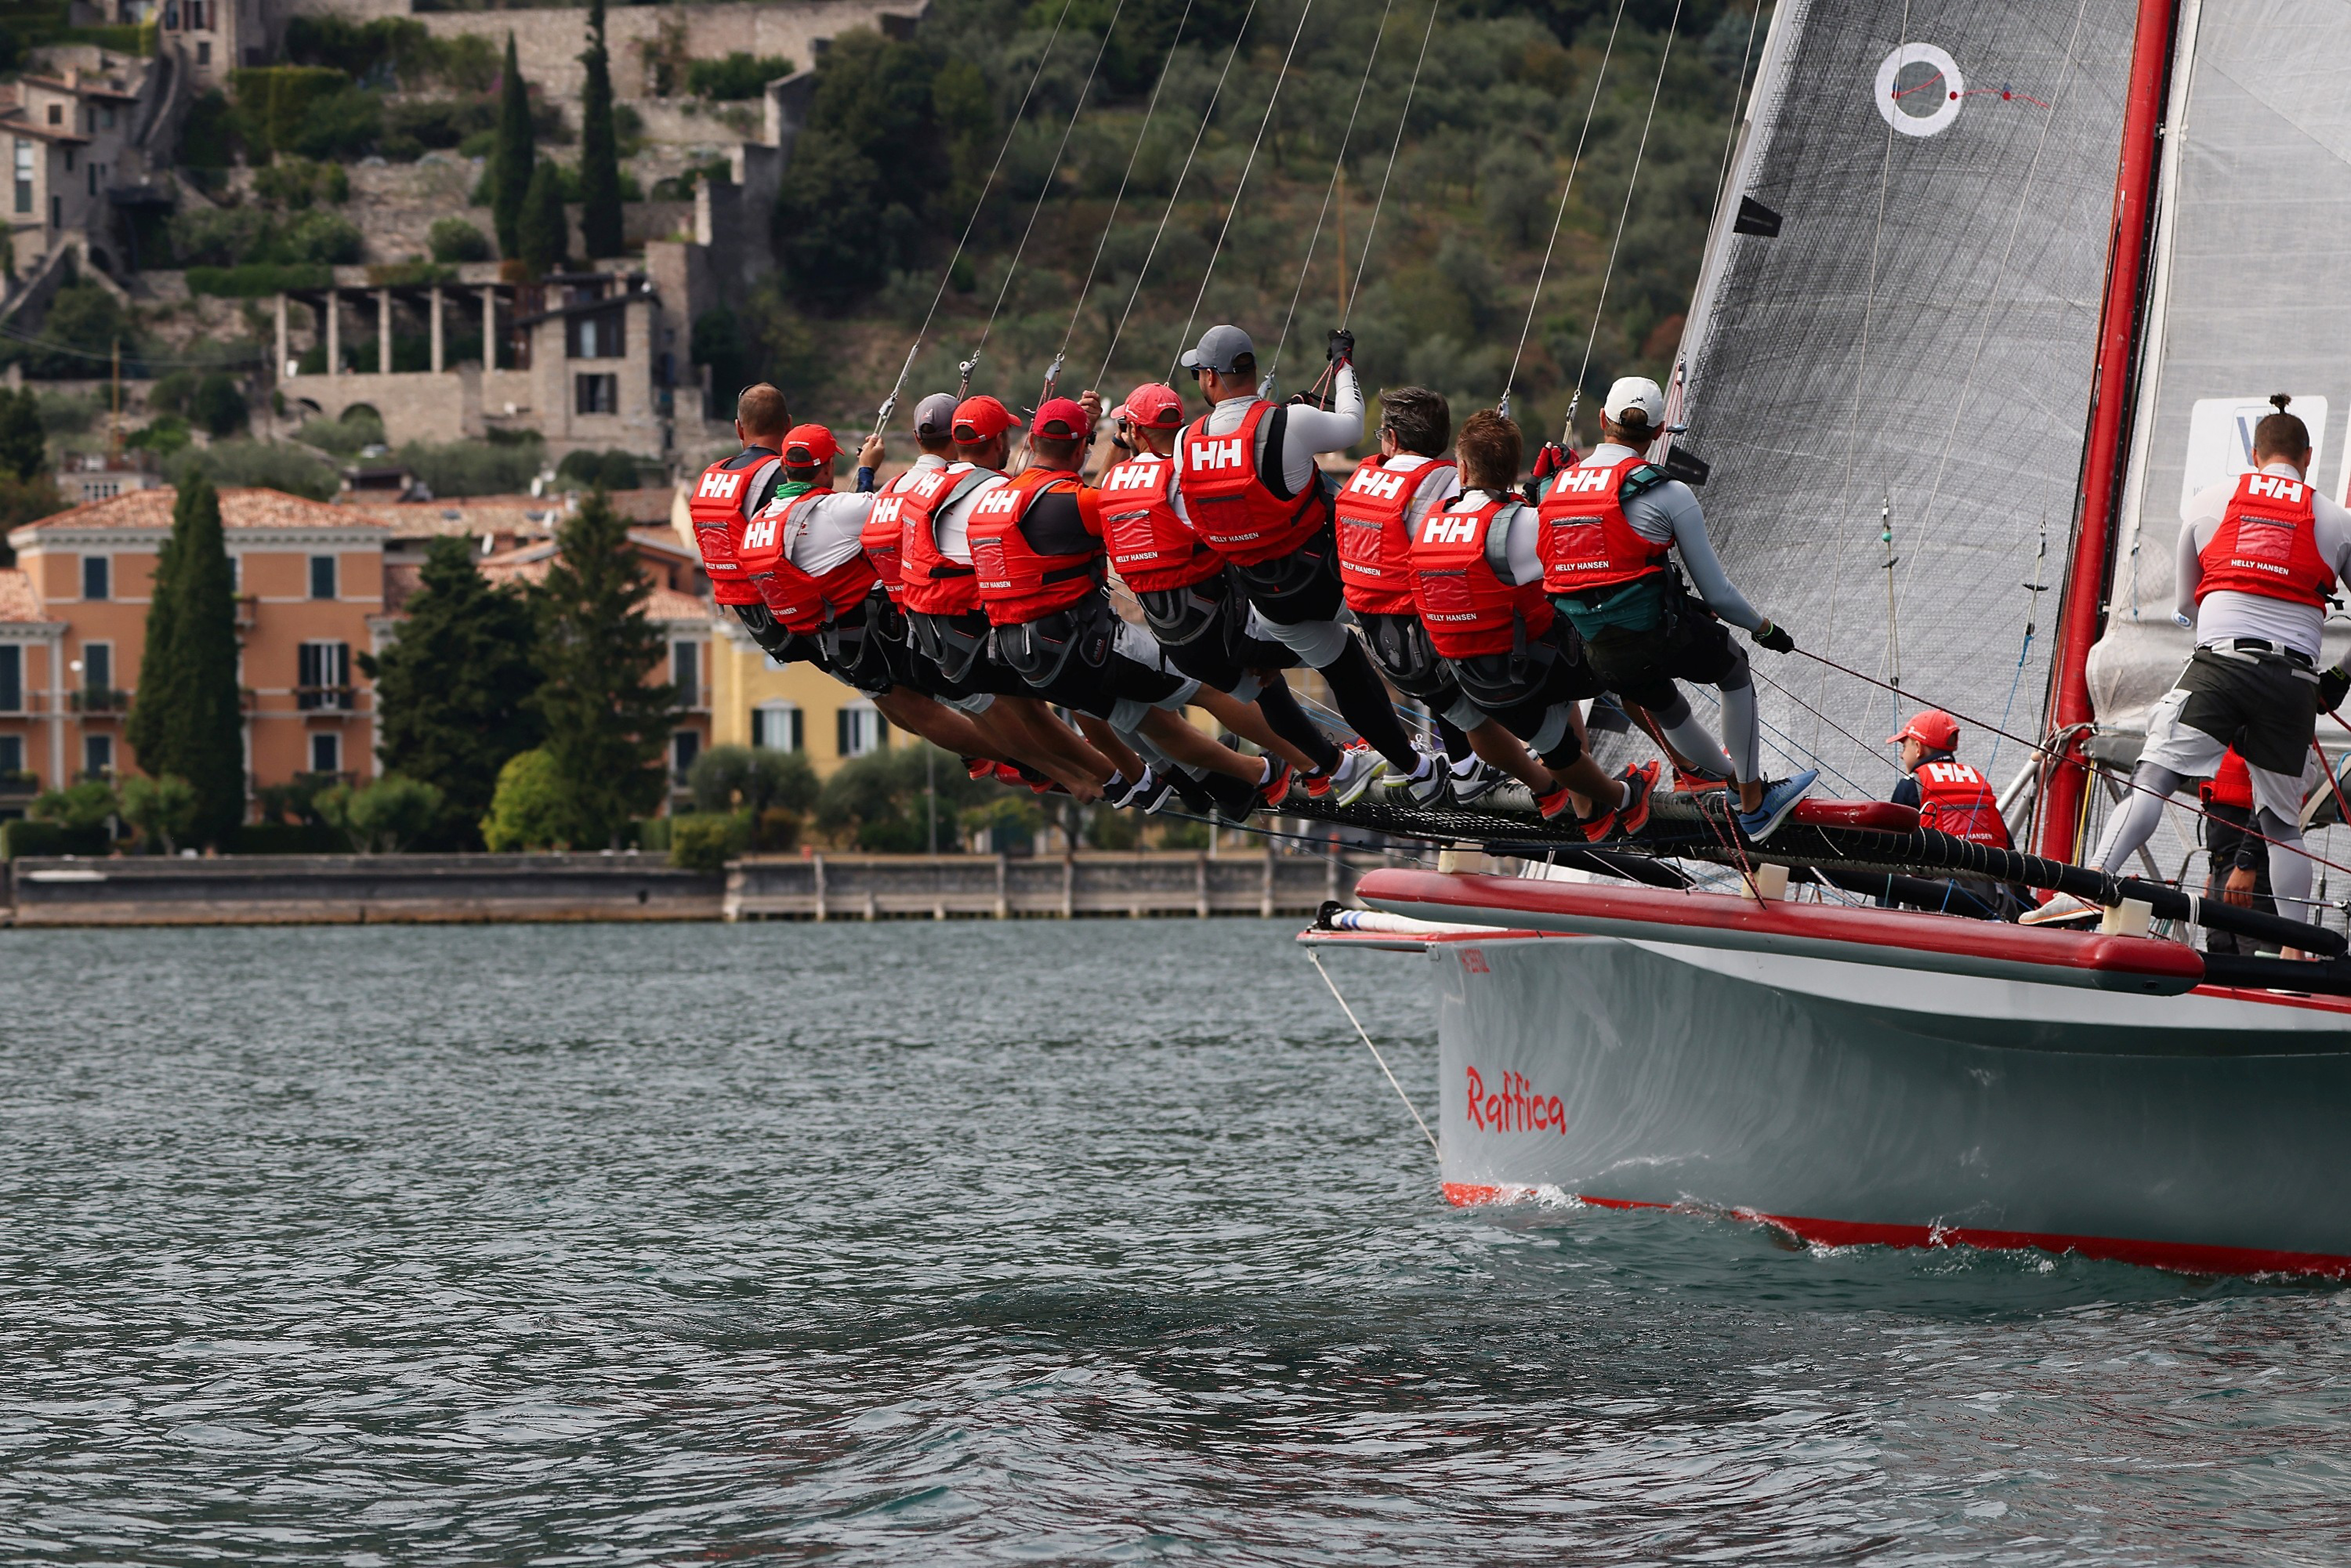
1017,582
1586,539
882,538
1466,607
2267,544
716,506
1375,540
799,602
1230,498
1954,799
1154,550
928,581
2230,785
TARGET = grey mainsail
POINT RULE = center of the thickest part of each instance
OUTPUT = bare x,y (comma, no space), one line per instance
2250,295
1918,334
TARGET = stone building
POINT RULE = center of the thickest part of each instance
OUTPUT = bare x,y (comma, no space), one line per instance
82,136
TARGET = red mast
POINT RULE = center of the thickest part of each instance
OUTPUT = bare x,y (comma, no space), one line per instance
2083,607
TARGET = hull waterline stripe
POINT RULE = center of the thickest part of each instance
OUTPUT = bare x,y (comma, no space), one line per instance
2185,1257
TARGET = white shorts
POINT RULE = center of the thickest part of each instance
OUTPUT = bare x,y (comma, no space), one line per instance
1318,643
2192,754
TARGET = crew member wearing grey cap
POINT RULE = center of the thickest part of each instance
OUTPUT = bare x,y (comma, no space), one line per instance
1253,493
1602,542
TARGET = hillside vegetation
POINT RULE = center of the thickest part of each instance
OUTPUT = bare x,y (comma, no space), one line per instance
900,137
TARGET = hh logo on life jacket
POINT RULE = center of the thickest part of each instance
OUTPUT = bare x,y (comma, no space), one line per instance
1584,481
1003,498
932,482
1449,529
886,509
719,485
1216,453
2272,486
1376,482
1952,773
1130,477
760,533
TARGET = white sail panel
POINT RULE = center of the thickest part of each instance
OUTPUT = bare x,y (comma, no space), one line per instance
1919,332
2250,295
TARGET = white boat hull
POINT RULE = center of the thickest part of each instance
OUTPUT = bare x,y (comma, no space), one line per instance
1852,1103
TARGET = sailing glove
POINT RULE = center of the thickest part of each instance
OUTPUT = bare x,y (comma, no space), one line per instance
1775,637
1342,350
2333,686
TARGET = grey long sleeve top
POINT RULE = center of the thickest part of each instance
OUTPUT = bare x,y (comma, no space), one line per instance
1311,429
1666,514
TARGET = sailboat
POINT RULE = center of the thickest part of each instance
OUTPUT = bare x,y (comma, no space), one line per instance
1953,331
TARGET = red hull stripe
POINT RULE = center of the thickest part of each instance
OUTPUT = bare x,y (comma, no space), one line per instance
2171,967
2186,1257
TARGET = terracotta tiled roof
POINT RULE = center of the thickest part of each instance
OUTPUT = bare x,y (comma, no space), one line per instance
241,507
669,604
17,599
527,516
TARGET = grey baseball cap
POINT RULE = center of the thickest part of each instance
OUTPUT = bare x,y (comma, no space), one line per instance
1219,347
934,415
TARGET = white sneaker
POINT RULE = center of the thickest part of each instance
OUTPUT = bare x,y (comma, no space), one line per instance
1427,785
1359,769
1482,780
2061,908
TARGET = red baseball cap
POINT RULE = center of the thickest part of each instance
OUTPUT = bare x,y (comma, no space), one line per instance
810,446
1931,727
978,419
1060,419
1154,404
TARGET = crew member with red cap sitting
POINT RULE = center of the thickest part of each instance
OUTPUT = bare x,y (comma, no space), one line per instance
1952,796
1034,542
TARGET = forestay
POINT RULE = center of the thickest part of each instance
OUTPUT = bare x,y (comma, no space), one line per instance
1920,328
2250,295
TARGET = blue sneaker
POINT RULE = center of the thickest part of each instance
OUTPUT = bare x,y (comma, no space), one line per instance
1779,800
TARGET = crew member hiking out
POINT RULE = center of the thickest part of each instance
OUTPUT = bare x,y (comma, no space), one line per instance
1186,596
1035,546
1481,603
725,498
1253,494
2258,556
1378,509
803,552
1610,528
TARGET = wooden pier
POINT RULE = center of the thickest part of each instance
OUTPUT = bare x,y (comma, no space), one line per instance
1010,887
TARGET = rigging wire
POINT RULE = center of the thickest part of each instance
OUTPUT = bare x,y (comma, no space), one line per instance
1316,959
1166,67
1010,129
1632,181
1576,163
1233,207
1174,192
1013,268
1371,230
1338,166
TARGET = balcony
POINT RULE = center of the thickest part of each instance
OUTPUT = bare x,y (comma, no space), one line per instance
248,608
19,786
325,699
98,701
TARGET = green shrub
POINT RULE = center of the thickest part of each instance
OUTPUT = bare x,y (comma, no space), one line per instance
272,465
295,184
738,76
532,808
321,236
164,435
24,836
162,810
274,103
208,136
386,816
344,437
472,468
613,470
455,240
218,405
88,804
258,280
755,779
706,841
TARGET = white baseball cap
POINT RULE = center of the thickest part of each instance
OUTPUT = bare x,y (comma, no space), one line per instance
1632,393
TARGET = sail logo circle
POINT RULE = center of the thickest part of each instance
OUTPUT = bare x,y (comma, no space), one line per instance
1919,89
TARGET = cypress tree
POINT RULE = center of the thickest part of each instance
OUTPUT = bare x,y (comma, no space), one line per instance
600,152
606,727
544,232
452,693
147,728
513,156
24,444
204,722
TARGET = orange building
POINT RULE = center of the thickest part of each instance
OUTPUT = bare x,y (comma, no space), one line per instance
307,578
313,592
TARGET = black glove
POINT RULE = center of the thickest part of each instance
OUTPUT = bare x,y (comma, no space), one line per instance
2333,686
1775,637
1342,350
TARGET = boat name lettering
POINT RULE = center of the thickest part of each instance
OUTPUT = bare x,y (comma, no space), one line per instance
1513,1108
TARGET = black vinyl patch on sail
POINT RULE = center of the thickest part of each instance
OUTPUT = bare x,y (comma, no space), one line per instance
1755,218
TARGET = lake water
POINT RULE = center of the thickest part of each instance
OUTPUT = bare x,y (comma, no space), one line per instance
981,1242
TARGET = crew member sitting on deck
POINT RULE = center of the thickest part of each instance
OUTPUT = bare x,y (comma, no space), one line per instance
2258,556
1952,796
1610,528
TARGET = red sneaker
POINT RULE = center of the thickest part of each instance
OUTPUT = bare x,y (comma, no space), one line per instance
1640,783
